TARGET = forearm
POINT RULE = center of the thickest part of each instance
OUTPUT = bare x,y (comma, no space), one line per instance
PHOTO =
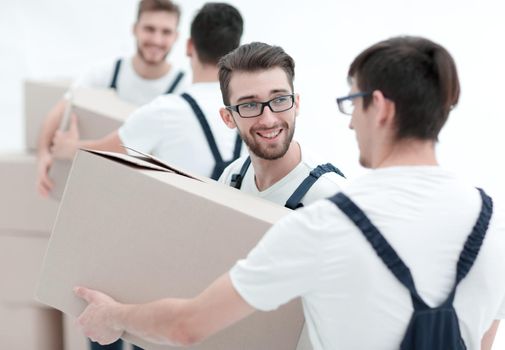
111,143
183,322
488,338
165,321
49,127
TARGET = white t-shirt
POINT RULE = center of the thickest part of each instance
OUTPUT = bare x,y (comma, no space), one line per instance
351,300
326,186
130,86
168,129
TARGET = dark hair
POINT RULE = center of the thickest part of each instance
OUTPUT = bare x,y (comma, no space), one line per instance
253,57
215,31
158,5
418,75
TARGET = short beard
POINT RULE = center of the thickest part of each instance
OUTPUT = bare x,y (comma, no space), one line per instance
151,63
265,152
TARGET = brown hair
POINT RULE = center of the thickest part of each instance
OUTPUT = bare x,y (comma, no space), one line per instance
253,57
418,75
158,5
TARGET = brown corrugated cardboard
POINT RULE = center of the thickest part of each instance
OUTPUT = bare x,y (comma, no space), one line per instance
21,257
123,227
40,97
21,207
99,112
73,338
24,327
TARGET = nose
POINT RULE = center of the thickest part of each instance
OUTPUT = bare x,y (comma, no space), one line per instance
157,37
268,117
350,124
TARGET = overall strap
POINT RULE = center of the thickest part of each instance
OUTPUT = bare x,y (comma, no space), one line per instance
205,127
176,82
395,264
117,67
294,201
476,237
383,249
473,243
236,179
238,147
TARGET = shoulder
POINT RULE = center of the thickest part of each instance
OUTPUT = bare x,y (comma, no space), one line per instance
166,105
233,168
327,184
98,75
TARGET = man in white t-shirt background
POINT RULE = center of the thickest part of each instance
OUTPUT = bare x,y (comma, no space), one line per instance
402,91
169,127
137,79
258,92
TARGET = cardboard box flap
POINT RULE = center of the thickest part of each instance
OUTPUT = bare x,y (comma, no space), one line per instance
142,160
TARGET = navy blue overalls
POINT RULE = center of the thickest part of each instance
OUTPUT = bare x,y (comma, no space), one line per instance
295,201
220,164
429,328
117,67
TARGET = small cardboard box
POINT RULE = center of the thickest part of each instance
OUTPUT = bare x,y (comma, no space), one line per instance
22,209
140,232
40,97
99,112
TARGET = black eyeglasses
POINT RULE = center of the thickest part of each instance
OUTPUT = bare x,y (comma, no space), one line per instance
346,104
254,109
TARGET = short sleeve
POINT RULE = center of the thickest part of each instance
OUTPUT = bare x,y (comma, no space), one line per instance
283,264
501,310
146,127
99,76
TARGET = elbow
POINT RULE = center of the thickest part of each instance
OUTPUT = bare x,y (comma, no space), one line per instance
184,335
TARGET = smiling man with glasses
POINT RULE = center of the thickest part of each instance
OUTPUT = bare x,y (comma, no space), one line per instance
257,87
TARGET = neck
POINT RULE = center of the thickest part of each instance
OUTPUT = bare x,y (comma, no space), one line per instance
204,73
408,152
268,172
150,71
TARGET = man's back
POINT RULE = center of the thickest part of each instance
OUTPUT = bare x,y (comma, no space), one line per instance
426,214
168,129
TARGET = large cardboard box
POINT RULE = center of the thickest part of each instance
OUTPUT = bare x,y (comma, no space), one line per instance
21,256
140,232
24,327
99,112
40,96
73,337
22,209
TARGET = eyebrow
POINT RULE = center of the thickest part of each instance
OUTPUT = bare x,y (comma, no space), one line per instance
250,97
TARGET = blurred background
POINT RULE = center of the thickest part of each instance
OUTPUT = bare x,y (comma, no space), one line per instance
48,39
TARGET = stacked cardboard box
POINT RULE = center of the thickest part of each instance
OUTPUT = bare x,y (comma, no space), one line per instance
26,219
147,224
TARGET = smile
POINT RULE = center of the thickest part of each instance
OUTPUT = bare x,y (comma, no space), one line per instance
269,135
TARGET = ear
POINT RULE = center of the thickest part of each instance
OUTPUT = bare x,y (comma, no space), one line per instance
227,118
189,47
297,104
385,109
134,29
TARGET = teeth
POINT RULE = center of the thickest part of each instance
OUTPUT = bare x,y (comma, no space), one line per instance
270,135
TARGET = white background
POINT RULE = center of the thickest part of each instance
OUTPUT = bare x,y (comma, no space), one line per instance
60,38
